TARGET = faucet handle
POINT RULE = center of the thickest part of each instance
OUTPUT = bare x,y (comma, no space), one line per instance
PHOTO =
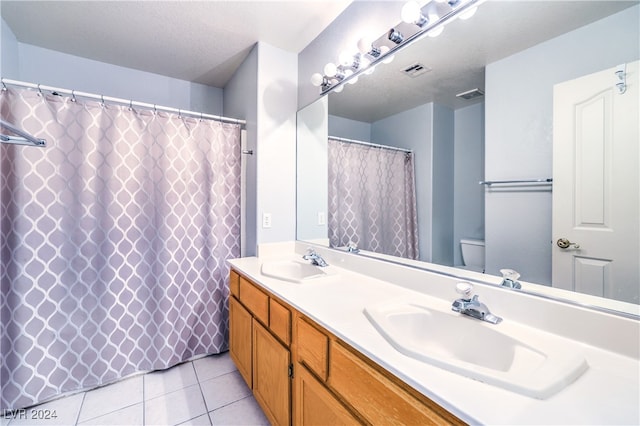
510,274
465,288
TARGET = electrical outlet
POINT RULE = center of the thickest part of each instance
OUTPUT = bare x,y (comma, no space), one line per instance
321,218
266,220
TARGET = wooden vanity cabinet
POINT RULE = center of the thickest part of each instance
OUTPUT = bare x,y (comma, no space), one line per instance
332,383
259,338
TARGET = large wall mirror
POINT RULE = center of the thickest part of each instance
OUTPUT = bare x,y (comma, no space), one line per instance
515,53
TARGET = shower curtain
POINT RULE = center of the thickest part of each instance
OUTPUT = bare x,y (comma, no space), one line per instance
113,242
372,200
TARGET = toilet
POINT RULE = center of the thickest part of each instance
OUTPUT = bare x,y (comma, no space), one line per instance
472,254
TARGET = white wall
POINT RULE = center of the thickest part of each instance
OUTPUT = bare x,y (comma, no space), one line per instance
312,171
413,129
8,52
442,185
349,129
241,101
468,196
52,68
518,136
276,147
263,92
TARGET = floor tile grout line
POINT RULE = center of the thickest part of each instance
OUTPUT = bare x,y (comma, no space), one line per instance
144,401
84,395
204,400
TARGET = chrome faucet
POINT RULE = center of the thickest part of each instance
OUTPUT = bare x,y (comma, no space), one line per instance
352,247
315,258
510,279
471,306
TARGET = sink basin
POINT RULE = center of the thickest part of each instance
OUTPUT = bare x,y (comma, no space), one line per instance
478,350
290,270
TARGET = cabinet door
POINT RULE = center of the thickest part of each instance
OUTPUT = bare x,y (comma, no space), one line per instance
315,405
271,382
240,347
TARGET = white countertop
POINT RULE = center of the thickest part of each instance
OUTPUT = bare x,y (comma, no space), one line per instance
607,393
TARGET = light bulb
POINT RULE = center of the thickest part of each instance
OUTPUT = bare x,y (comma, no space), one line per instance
317,79
364,45
345,58
330,69
410,12
339,89
468,13
370,70
354,80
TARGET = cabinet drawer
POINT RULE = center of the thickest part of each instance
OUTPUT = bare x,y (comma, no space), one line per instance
255,300
374,396
313,347
280,321
234,283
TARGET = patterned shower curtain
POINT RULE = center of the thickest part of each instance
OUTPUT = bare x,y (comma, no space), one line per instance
113,243
372,199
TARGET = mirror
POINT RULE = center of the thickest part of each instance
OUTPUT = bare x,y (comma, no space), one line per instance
515,51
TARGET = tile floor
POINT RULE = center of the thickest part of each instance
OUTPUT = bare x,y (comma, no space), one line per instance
206,391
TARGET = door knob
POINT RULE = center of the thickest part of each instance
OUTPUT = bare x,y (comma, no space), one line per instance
563,243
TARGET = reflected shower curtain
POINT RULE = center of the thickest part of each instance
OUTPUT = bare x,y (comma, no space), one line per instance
372,200
113,242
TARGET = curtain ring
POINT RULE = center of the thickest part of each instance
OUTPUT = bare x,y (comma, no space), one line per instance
155,111
73,96
4,87
39,90
102,101
130,105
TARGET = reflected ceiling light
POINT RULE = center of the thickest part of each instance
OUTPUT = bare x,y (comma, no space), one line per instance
330,70
395,36
317,79
366,47
412,14
349,60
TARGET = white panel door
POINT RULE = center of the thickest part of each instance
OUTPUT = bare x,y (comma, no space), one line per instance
596,185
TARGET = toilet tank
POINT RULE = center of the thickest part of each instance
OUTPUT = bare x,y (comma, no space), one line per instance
472,253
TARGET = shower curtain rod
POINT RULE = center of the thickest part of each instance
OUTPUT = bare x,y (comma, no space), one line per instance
374,145
23,139
130,103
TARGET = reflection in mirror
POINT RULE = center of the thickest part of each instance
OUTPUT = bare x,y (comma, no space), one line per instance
515,52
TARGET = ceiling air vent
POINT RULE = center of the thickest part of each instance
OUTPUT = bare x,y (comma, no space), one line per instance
415,70
471,94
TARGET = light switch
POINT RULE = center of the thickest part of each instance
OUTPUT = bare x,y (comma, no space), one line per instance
266,220
321,218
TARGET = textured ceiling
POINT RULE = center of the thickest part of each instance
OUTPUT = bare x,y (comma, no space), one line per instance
199,41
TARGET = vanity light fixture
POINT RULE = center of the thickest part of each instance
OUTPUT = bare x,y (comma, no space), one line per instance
430,20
